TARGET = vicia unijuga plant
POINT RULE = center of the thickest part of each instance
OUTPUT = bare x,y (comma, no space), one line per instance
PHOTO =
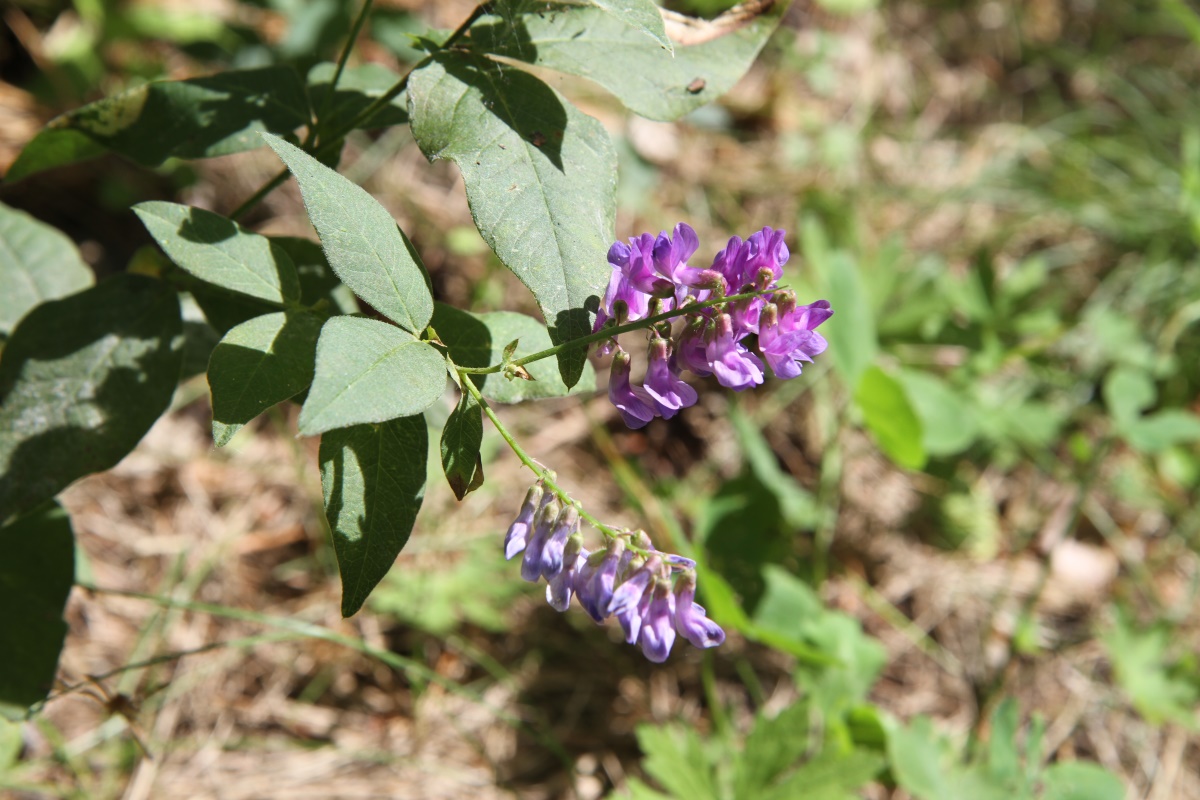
87,367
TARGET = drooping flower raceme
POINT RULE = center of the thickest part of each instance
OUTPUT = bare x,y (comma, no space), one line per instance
735,341
651,594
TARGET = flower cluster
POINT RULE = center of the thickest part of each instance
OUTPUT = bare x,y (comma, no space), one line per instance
651,276
627,579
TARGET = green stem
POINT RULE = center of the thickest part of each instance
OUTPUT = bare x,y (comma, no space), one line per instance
258,196
343,58
608,333
544,475
333,140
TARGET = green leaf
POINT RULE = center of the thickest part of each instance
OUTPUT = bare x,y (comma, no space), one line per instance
370,371
540,179
461,439
318,283
1078,780
675,758
829,776
948,423
259,363
1128,391
81,380
36,574
1143,669
890,418
11,743
478,340
917,759
37,263
197,118
221,252
1164,429
373,479
772,746
361,240
796,504
357,89
640,14
606,48
851,331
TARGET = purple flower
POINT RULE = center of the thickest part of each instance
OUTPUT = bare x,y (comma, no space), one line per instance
735,367
691,350
728,262
560,587
690,619
596,578
667,390
672,253
622,300
630,617
533,563
765,250
565,524
518,532
785,341
634,402
657,633
633,587
636,262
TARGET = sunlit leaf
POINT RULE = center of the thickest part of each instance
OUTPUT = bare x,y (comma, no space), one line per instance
369,371
361,241
37,263
540,180
619,55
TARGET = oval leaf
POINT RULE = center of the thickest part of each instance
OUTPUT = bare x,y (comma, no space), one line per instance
369,371
81,381
461,439
642,15
373,480
219,251
36,574
540,178
615,52
361,240
480,340
259,363
890,418
196,118
37,263
948,422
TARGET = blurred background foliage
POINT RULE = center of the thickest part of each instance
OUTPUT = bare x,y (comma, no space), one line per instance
957,558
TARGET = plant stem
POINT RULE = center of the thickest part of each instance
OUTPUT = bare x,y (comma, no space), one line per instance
343,58
331,141
544,475
608,333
